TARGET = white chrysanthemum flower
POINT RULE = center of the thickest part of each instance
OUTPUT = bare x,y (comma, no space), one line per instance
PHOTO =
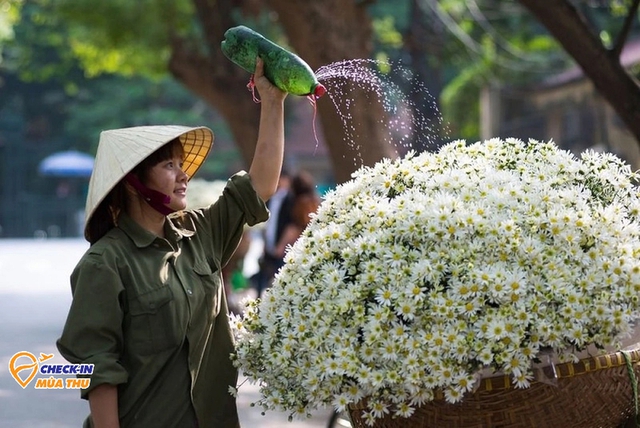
420,272
523,380
453,394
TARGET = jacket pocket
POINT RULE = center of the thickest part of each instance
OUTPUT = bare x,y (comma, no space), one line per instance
153,325
209,281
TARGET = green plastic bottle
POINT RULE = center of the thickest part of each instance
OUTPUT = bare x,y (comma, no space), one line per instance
284,69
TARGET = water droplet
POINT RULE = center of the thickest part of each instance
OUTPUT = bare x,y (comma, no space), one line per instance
408,127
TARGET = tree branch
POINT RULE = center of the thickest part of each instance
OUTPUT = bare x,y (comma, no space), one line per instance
606,73
626,28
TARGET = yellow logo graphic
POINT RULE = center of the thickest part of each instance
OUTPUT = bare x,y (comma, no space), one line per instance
32,365
24,366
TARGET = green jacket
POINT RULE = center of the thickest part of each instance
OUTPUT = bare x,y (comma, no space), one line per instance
151,314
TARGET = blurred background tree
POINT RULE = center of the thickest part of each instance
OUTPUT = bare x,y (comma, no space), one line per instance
150,37
595,41
75,67
452,47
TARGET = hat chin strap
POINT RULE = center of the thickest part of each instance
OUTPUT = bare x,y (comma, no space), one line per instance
157,200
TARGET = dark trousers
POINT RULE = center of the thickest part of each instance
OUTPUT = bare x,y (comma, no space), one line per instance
269,265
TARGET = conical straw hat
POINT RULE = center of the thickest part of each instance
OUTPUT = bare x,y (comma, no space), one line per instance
121,150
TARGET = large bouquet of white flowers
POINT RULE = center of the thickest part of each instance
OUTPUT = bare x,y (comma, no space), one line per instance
420,273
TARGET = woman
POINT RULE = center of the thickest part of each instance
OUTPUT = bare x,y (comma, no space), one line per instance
305,202
148,308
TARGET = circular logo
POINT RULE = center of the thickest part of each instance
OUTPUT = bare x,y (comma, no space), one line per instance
30,367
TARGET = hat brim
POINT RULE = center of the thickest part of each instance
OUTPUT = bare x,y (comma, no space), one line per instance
196,144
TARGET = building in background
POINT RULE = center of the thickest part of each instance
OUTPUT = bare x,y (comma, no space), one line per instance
565,108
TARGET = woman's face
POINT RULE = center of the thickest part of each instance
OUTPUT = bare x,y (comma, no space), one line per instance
168,177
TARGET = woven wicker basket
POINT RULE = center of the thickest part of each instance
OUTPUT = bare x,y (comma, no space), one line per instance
594,392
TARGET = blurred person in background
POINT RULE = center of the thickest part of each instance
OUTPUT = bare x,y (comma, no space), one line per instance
280,206
149,310
305,201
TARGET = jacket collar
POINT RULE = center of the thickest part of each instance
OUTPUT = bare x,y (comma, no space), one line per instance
139,235
143,238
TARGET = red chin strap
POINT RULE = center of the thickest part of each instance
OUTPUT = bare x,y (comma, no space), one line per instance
155,199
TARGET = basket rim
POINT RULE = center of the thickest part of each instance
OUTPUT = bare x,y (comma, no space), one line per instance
562,371
603,396
568,369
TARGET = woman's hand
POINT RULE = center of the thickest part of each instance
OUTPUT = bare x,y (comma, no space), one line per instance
103,403
268,91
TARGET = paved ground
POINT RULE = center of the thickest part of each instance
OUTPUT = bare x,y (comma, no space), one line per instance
34,298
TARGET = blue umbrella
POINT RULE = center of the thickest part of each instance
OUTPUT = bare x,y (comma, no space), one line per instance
67,164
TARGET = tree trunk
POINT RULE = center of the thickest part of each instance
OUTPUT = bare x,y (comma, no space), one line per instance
327,31
601,66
